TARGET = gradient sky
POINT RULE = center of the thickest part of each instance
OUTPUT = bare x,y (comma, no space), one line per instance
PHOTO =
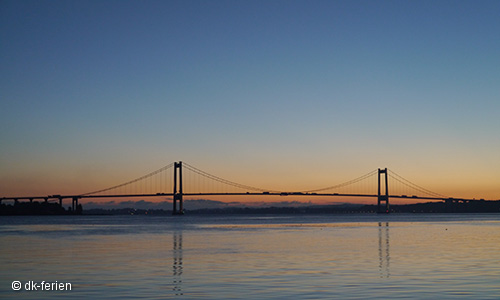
281,94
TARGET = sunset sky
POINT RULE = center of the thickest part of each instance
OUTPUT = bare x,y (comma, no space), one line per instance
287,95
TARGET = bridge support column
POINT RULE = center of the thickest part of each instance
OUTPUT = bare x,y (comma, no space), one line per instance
178,194
383,200
76,208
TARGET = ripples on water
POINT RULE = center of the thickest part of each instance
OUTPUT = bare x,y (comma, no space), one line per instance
248,257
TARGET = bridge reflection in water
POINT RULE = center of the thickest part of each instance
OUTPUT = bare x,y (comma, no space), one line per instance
383,249
177,263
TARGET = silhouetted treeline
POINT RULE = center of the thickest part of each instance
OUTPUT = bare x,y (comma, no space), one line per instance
37,208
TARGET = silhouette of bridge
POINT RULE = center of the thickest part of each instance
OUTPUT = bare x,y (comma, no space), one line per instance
184,180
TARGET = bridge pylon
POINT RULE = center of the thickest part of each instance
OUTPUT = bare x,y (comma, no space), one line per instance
383,200
178,194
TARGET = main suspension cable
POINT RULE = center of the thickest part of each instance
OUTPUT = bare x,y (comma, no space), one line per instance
131,181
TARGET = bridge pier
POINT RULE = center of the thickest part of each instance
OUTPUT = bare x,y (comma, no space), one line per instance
75,207
383,200
178,194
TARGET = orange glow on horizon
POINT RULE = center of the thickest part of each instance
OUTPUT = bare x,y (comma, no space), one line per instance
63,183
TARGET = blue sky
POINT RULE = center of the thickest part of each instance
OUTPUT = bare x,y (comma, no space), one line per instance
267,93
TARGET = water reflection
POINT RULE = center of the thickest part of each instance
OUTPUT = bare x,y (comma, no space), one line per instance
177,264
383,250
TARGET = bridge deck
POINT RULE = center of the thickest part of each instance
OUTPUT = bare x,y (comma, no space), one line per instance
50,197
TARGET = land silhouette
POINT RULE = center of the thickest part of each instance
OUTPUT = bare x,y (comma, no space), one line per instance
38,208
46,208
43,208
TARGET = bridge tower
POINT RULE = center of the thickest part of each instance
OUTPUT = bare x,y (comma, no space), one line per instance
383,198
178,194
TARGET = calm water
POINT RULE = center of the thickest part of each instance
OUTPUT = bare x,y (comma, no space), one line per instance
249,257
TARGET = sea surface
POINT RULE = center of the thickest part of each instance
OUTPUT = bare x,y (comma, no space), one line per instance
410,256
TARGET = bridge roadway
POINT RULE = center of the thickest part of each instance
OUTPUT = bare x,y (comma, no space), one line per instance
60,197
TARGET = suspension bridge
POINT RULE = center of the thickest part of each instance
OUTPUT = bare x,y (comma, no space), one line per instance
179,180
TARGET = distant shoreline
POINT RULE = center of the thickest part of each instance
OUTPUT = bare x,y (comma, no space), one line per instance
38,209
